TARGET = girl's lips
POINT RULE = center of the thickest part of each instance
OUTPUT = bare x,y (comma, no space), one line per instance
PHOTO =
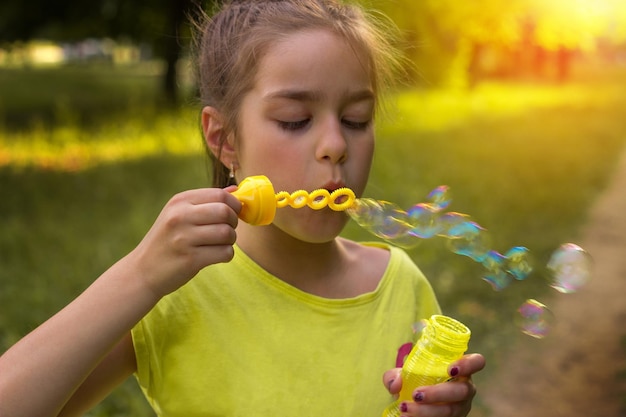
332,186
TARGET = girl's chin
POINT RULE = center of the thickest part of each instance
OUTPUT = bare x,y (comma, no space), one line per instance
314,229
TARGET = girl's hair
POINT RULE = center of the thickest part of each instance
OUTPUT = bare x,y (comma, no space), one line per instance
231,43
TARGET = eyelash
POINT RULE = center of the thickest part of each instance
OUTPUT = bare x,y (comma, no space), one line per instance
356,125
297,125
300,124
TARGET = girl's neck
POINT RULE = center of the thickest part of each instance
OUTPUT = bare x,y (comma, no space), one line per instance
334,269
282,254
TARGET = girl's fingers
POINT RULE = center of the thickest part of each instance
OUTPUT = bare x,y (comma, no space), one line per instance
467,365
461,389
392,380
209,195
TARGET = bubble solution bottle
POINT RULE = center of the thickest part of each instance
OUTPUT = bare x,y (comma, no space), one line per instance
443,341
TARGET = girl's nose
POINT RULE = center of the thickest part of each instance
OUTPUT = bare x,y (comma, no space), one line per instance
332,145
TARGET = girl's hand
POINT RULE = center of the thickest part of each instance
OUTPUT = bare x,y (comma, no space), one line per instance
448,399
196,228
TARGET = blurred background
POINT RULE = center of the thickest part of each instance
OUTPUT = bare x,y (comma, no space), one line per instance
516,105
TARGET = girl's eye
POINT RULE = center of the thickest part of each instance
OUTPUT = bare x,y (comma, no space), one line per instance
356,125
298,124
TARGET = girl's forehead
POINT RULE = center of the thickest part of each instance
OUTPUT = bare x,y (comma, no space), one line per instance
314,56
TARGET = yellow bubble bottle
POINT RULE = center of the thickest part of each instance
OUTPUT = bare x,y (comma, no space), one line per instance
443,341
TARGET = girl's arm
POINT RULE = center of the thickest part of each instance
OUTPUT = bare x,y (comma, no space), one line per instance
41,372
114,369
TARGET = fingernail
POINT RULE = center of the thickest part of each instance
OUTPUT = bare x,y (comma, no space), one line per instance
454,371
404,407
419,396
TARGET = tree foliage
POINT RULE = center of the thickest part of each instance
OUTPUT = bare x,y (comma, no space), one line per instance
450,42
163,24
453,42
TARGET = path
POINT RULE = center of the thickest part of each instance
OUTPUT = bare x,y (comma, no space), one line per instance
580,369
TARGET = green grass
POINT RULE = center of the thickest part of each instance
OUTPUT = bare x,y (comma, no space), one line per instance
79,187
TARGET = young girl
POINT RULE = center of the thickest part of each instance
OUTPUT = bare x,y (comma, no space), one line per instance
221,318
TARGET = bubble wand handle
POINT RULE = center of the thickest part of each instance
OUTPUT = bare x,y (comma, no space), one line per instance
443,341
259,201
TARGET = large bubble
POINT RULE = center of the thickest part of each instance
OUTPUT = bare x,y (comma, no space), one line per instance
569,268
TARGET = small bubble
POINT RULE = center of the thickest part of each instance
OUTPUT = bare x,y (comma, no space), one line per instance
534,319
425,220
469,239
450,222
419,326
440,197
569,268
519,263
496,275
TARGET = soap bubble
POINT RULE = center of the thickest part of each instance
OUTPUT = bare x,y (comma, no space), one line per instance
469,239
425,220
534,319
417,327
569,268
440,197
496,274
519,263
450,222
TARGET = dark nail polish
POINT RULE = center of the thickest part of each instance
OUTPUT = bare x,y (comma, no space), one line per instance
454,371
419,396
404,408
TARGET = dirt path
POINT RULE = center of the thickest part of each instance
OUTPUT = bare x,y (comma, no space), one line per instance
580,369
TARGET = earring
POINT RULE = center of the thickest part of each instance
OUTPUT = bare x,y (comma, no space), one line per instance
231,174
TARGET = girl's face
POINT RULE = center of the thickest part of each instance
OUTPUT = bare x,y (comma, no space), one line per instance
308,124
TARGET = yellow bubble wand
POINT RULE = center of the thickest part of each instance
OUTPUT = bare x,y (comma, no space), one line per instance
260,201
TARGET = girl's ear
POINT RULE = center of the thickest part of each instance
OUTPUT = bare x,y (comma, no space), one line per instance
213,129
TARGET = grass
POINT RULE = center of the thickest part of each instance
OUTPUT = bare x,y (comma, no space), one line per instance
81,93
80,186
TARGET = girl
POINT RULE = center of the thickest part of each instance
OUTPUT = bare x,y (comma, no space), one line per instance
220,318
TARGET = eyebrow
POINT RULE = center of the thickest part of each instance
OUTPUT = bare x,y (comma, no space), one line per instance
314,96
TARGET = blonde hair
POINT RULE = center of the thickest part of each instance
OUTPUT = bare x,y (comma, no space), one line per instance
231,43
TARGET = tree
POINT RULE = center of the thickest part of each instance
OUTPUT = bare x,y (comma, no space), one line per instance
451,41
160,23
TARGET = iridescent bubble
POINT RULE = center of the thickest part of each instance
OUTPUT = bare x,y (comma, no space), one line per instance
419,326
391,222
383,219
450,222
496,274
425,219
570,268
534,319
364,211
440,197
469,239
519,263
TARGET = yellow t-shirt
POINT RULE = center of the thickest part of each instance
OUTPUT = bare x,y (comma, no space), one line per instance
237,341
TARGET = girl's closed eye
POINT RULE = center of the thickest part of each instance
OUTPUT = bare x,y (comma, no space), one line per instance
356,125
293,125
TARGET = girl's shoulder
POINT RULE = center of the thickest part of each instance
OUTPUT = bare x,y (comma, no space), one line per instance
367,263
